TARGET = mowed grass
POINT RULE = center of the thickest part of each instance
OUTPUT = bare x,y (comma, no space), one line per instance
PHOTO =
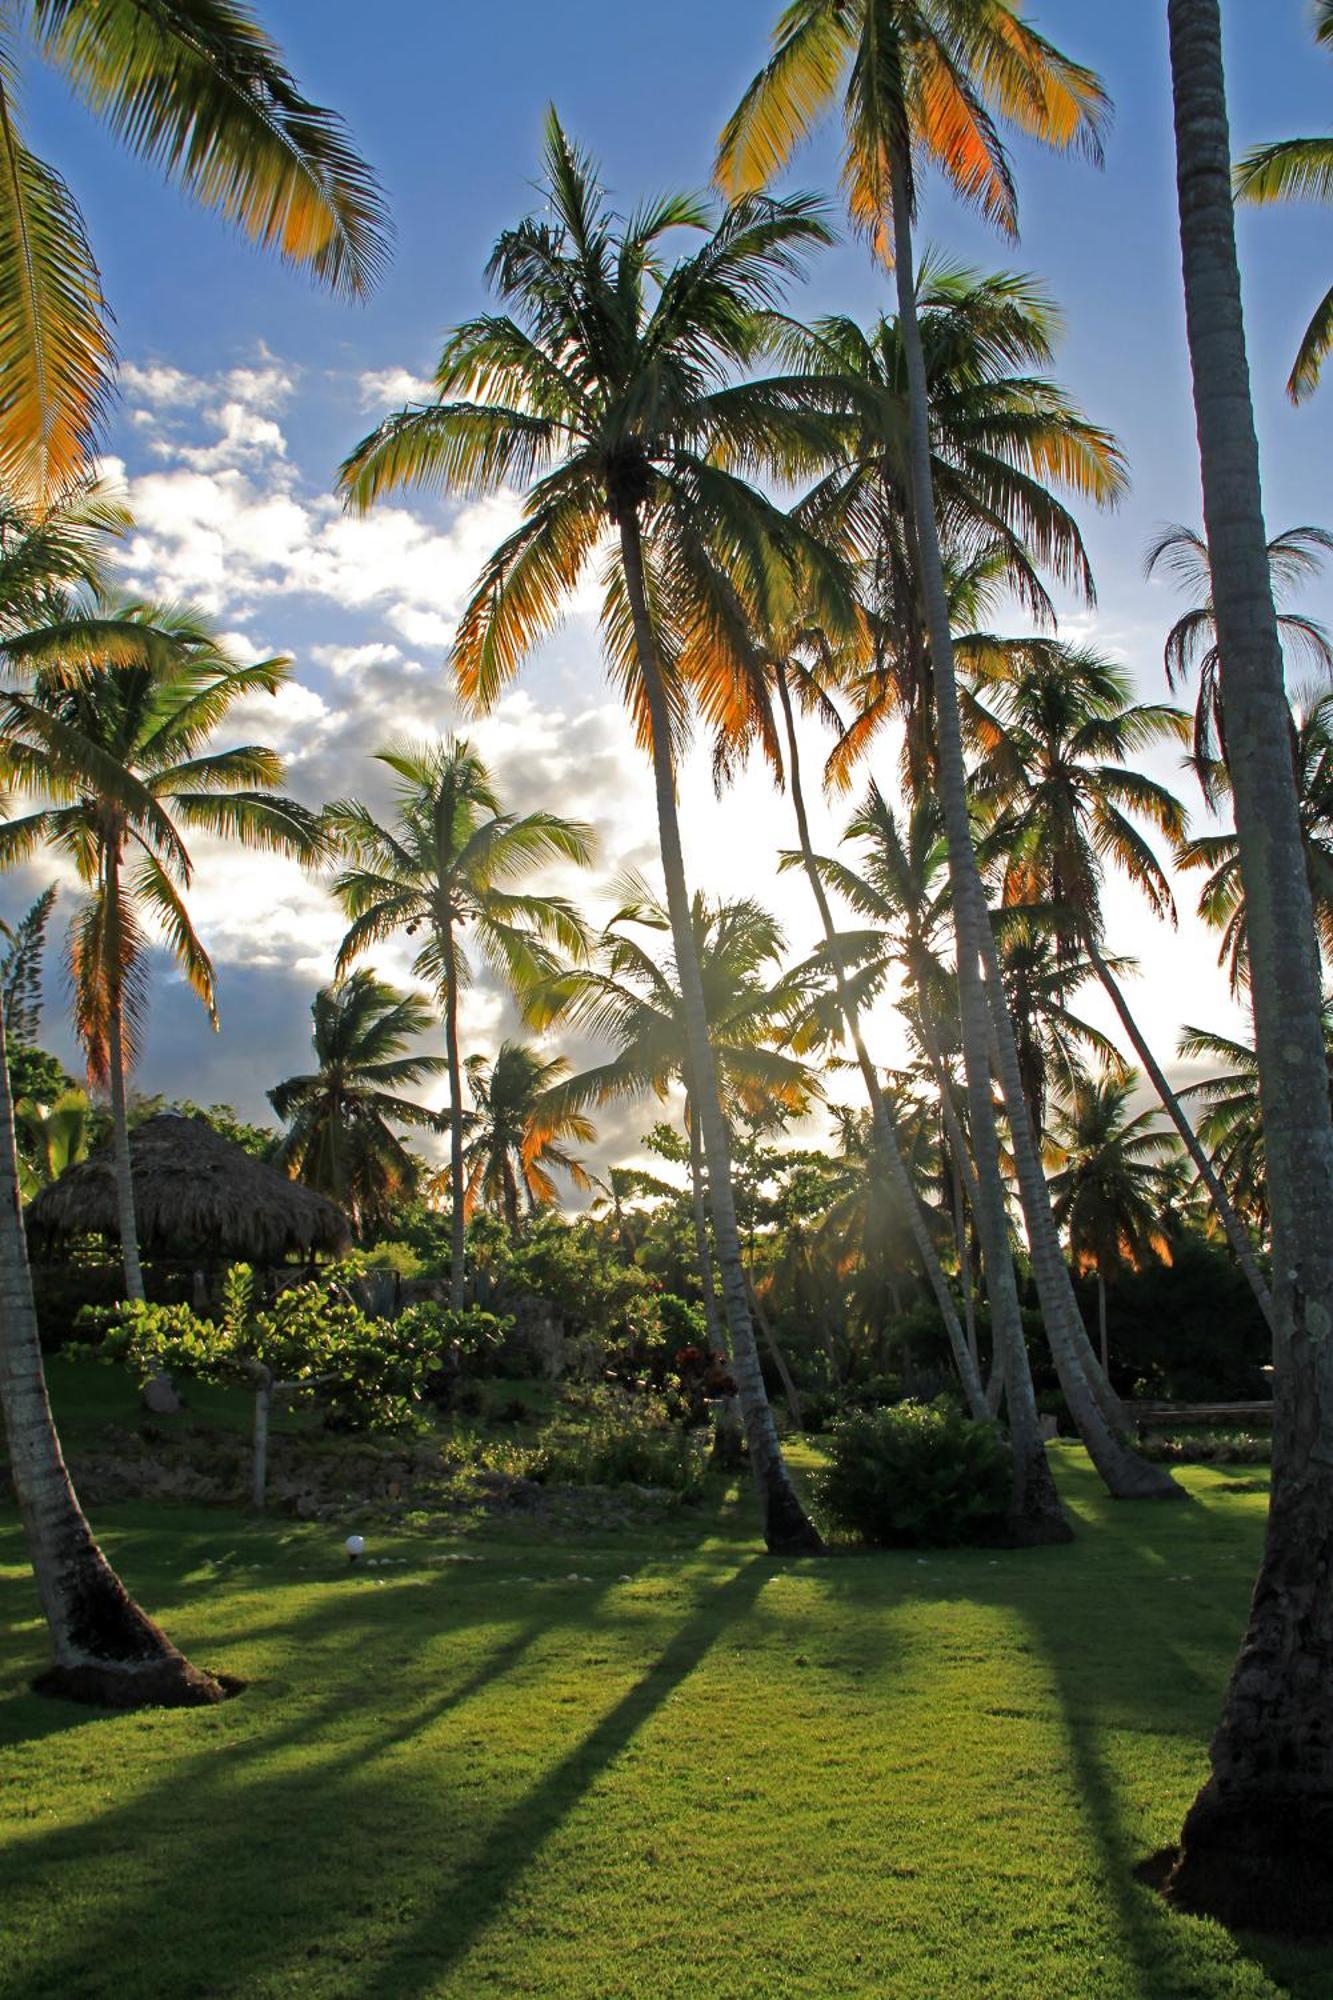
644,1766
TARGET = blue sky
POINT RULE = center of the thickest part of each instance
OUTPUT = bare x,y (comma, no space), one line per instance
244,387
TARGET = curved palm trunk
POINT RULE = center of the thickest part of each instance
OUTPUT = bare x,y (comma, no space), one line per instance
1236,1233
1026,1148
1126,1474
107,1651
703,1255
120,1124
886,1139
787,1528
120,1150
1256,1845
457,1219
1101,1323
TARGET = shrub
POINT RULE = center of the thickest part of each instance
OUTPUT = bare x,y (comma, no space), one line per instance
915,1476
614,1439
1209,1448
364,1373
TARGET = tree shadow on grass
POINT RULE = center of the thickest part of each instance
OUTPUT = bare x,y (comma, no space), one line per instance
441,1938
1171,1955
246,1843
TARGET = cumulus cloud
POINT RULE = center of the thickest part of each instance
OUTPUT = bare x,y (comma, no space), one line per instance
386,388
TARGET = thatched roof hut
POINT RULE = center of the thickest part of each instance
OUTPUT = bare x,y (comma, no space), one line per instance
196,1194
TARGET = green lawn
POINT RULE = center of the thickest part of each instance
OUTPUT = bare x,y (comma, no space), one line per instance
645,1766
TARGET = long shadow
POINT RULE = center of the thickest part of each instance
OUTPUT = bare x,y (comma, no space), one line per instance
442,1937
1166,1952
184,1831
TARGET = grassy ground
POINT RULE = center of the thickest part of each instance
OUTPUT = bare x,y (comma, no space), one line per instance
651,1766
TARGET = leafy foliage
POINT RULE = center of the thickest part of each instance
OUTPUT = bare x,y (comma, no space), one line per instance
613,1438
311,1338
918,1475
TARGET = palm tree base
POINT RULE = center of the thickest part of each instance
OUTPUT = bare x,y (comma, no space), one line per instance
109,1653
1257,1861
1037,1519
163,1683
788,1529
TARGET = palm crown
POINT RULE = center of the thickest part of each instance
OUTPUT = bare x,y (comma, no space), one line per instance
521,1131
198,89
341,1116
122,756
933,78
613,390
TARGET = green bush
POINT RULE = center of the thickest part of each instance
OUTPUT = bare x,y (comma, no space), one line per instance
364,1373
916,1476
614,1439
1209,1448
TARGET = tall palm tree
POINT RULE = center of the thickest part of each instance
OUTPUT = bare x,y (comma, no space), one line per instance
447,862
932,82
1294,557
1254,1847
521,1131
341,1116
625,384
1057,729
787,668
1111,1183
80,743
201,92
106,1649
1298,170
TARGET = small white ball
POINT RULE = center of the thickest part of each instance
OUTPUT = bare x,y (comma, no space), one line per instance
355,1545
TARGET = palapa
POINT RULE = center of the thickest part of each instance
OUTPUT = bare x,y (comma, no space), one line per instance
195,1194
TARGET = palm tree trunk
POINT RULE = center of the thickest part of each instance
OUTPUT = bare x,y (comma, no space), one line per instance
779,1359
1255,1847
1101,1323
120,1148
1125,1473
458,1219
886,1138
1236,1233
787,1528
703,1256
106,1650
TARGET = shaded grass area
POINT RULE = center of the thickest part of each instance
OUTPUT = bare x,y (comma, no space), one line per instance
651,1765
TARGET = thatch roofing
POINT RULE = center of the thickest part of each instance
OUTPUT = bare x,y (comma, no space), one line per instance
195,1193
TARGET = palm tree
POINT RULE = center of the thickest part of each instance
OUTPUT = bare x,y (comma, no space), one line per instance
1294,557
448,860
1222,897
1057,730
634,1000
1254,1848
202,93
1231,1121
520,1132
105,1648
614,380
786,668
1055,1045
340,1117
51,1137
932,82
1298,170
1111,1183
83,743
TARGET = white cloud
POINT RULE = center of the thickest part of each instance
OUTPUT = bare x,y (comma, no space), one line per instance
385,388
355,659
